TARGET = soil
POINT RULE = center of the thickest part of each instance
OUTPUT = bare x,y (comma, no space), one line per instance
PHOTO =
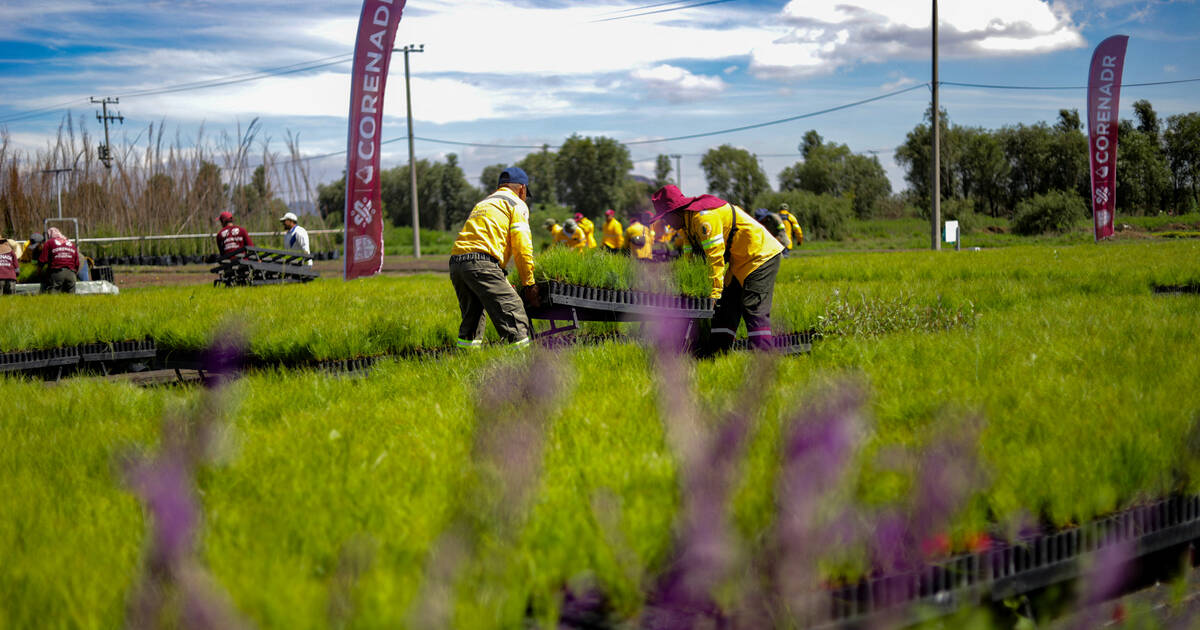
131,276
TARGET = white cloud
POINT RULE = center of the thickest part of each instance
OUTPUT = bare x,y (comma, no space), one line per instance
730,70
675,84
822,38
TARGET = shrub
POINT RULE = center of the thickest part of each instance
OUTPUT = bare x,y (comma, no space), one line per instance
963,211
823,217
1054,212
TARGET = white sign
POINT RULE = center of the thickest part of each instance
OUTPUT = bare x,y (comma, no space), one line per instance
951,235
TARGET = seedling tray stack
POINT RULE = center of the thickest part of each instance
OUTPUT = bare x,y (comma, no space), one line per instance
253,266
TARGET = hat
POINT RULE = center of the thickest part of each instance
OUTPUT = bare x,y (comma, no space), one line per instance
610,212
549,223
225,216
514,175
761,213
578,216
36,237
289,216
669,198
783,206
569,226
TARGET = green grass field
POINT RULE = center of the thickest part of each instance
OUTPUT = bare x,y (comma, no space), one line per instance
1084,379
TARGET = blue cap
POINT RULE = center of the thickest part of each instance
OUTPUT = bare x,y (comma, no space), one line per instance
514,175
760,213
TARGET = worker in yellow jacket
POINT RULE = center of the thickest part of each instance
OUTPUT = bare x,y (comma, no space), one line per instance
795,233
496,232
553,228
743,260
589,229
572,236
639,239
614,234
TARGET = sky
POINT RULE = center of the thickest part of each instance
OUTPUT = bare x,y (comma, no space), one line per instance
534,72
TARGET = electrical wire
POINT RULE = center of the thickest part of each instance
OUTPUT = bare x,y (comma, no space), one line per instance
644,7
200,85
989,86
667,10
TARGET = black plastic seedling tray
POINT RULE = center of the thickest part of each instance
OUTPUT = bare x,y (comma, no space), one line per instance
38,359
567,302
791,343
118,351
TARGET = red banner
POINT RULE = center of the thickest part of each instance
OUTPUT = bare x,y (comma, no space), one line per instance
364,218
1104,95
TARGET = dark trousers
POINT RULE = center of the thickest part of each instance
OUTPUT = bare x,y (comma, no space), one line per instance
59,281
752,302
481,286
7,286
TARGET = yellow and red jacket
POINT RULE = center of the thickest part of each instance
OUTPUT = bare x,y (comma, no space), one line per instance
646,251
589,230
499,227
614,234
794,232
734,244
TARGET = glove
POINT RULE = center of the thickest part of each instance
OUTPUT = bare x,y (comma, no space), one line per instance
532,296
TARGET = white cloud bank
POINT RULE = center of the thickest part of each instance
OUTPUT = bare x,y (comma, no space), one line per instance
823,37
676,85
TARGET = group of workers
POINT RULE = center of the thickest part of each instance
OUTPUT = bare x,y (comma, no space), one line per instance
56,259
233,237
645,236
742,254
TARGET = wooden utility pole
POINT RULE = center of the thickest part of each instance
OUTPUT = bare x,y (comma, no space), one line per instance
412,160
105,149
935,216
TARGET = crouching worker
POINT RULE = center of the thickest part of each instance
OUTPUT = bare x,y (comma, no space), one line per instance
10,266
743,260
60,259
496,231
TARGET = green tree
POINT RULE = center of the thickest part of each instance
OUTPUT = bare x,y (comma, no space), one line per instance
491,176
984,169
543,180
734,175
1143,179
831,168
206,197
590,173
444,196
1182,140
916,156
662,171
331,201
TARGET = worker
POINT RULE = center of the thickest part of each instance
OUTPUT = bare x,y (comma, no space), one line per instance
775,225
496,232
589,229
573,236
743,260
553,228
10,265
231,237
795,233
59,260
639,239
614,234
295,238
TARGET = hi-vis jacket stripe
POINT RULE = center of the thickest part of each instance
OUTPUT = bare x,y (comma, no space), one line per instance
751,245
499,227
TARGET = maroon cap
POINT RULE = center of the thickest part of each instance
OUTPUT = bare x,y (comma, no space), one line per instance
610,212
578,216
225,216
669,198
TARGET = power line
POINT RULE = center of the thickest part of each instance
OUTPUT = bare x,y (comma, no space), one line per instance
783,120
667,10
990,86
643,7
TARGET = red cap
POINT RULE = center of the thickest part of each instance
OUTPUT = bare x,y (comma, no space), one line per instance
609,213
225,216
669,198
578,216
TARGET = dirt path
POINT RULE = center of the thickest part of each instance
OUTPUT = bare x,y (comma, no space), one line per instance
132,277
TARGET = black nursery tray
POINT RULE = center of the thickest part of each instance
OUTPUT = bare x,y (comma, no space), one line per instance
791,343
38,359
566,302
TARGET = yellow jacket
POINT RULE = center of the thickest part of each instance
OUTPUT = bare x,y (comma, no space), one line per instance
751,244
555,230
646,251
589,230
794,232
499,227
578,240
614,234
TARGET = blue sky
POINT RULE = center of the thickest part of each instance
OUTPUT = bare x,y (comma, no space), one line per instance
534,72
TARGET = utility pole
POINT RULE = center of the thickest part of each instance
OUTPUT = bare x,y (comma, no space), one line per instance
678,171
58,183
106,148
412,160
935,216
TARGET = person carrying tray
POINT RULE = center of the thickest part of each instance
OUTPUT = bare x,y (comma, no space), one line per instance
743,259
496,231
231,236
